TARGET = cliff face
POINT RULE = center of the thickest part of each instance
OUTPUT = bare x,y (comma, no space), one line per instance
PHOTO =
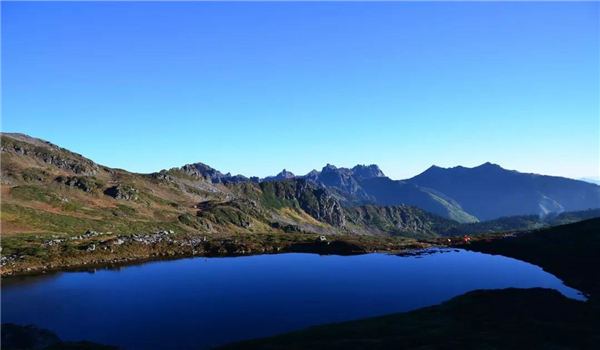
301,194
396,220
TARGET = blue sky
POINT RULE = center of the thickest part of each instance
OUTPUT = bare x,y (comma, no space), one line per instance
253,88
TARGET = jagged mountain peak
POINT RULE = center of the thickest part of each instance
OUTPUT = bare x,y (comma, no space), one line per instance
367,171
286,174
329,167
211,174
201,166
283,175
200,169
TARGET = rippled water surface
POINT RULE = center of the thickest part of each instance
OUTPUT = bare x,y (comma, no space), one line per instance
196,303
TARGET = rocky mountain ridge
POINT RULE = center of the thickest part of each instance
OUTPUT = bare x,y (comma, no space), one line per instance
49,189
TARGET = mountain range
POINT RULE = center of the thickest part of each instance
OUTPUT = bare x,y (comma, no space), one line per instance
48,189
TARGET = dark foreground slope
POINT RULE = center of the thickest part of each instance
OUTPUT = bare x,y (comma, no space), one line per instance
570,252
15,337
497,319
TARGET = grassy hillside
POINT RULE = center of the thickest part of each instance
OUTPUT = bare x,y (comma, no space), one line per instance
49,190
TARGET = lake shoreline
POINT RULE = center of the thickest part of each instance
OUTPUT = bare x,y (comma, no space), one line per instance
233,291
106,253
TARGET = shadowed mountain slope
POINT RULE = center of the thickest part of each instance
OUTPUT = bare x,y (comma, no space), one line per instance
368,185
489,191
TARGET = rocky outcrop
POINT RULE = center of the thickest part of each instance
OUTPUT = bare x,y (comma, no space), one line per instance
288,228
161,175
326,208
210,174
81,183
400,220
341,179
367,171
122,192
48,153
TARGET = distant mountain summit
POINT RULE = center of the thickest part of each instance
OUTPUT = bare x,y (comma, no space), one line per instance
489,191
367,171
331,175
211,174
341,181
283,175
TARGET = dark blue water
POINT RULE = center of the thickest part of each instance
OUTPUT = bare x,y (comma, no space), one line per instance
196,303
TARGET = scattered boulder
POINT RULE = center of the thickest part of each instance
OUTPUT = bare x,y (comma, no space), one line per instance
122,192
162,175
286,227
80,183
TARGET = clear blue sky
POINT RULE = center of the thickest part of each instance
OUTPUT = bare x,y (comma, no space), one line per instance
253,88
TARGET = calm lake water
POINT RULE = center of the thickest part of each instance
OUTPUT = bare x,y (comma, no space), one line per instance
196,303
